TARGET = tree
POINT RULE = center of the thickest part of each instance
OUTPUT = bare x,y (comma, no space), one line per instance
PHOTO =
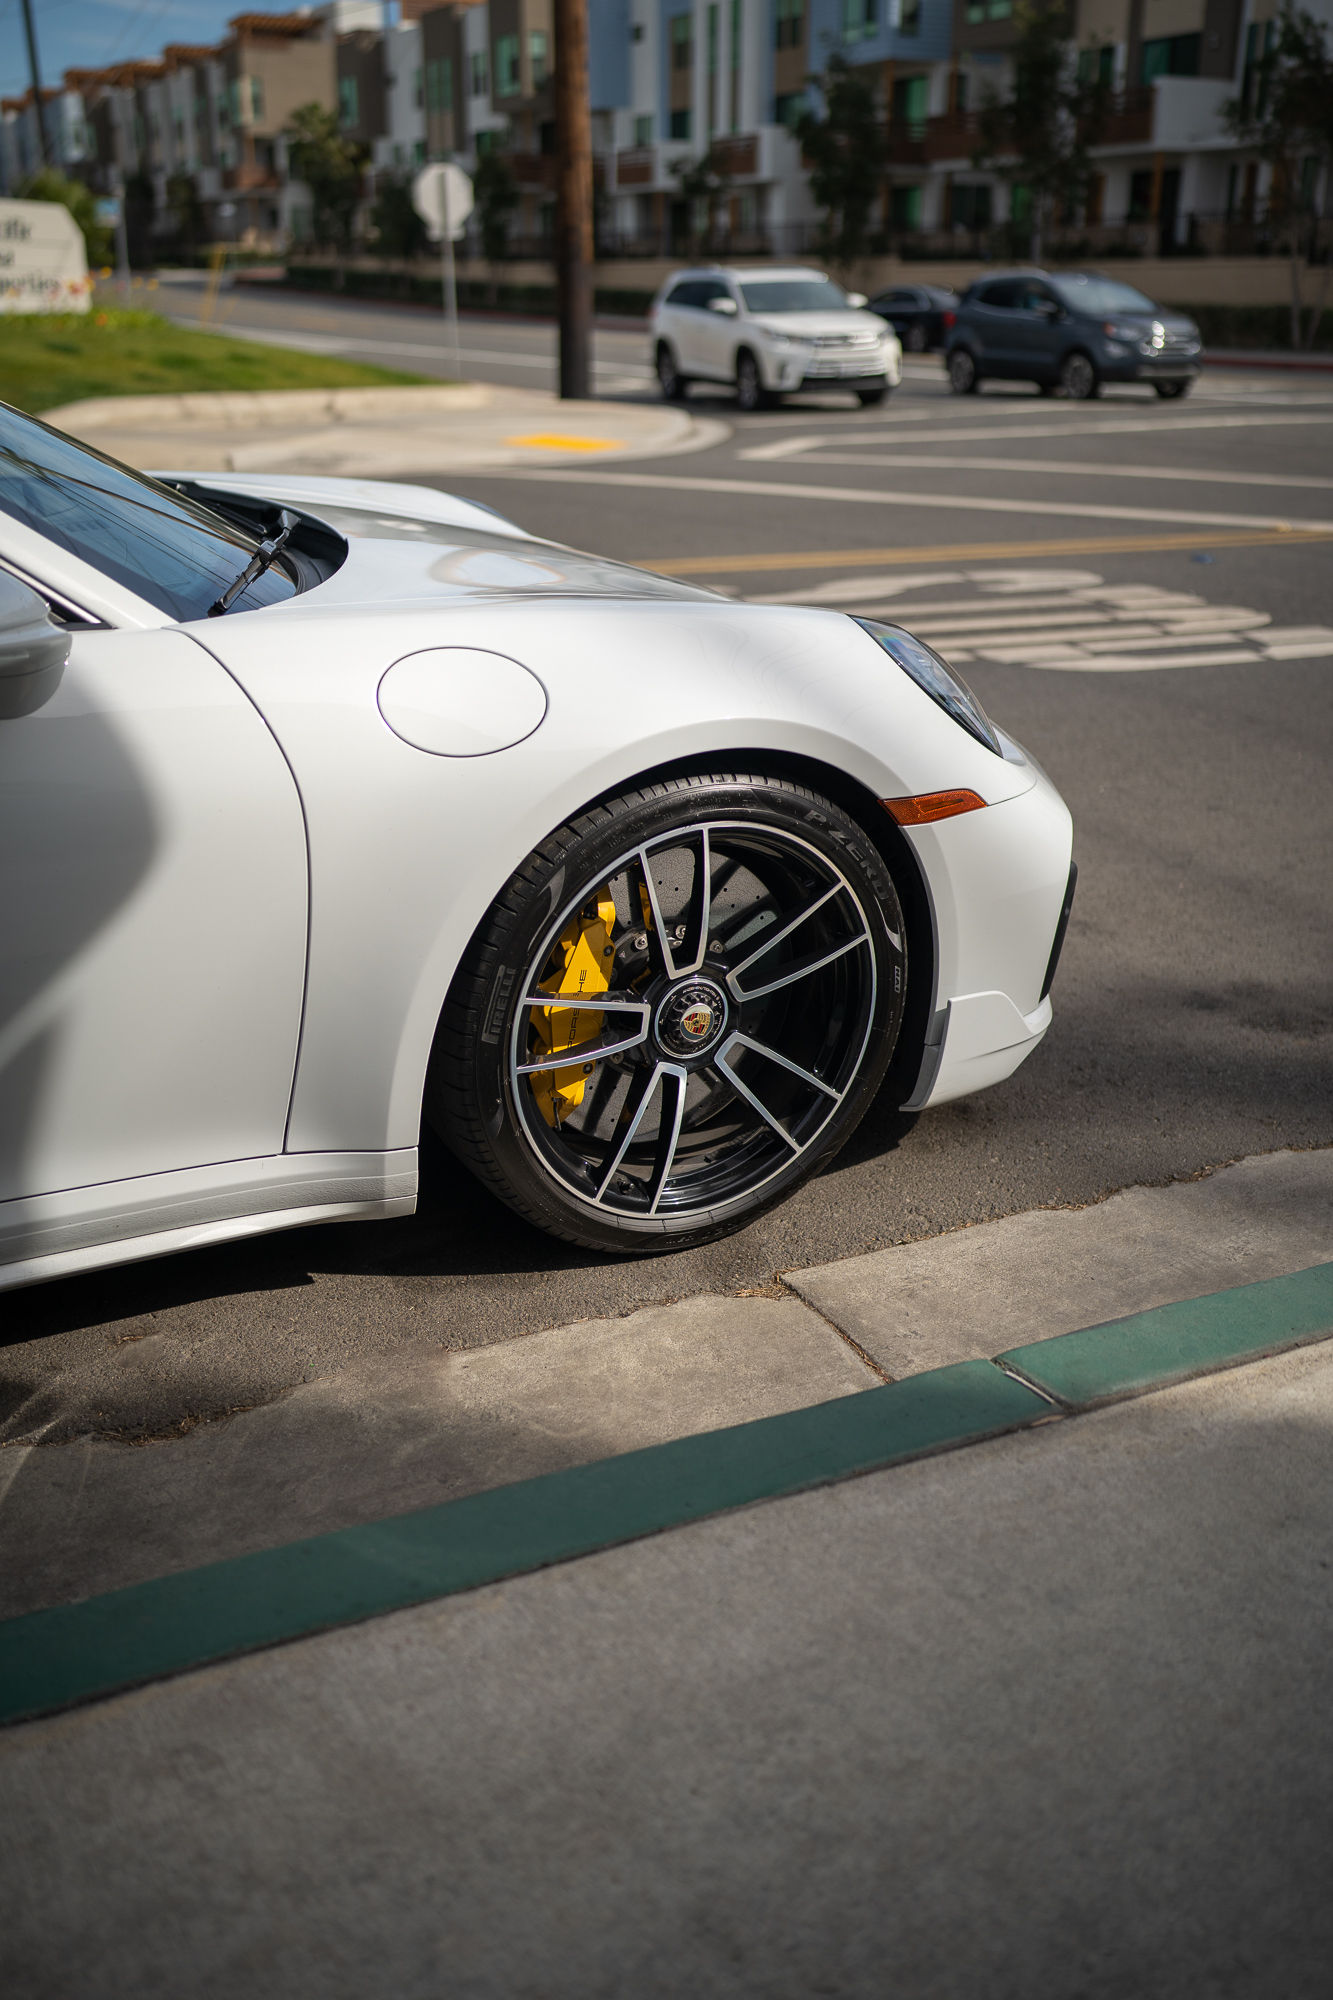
496,191
332,167
1037,138
847,153
702,184
1287,118
49,184
396,227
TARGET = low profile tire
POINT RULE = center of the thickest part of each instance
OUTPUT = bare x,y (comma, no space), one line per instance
750,391
870,399
963,377
916,341
669,378
750,938
1169,391
1079,379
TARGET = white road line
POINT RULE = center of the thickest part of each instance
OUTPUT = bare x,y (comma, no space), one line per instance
957,503
795,447
1068,467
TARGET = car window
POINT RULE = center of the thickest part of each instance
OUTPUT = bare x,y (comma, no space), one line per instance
686,294
1100,296
794,295
711,288
899,298
1003,294
1036,295
168,550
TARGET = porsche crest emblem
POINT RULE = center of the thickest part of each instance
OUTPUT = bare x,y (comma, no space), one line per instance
697,1021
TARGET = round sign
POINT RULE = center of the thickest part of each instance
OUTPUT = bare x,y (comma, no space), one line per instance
442,196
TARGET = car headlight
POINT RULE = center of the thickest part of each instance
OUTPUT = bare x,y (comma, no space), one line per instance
938,681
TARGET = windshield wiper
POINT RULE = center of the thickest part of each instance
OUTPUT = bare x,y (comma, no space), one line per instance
263,558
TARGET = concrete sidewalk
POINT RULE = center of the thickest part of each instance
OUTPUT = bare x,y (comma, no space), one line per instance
1047,1716
378,433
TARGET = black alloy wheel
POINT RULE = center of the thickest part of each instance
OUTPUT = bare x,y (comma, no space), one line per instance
916,341
675,1014
750,391
1079,379
669,379
1168,391
963,377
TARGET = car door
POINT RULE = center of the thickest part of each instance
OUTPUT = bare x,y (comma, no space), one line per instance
1036,330
713,334
152,953
991,316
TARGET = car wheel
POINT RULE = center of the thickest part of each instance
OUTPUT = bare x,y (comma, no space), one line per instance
733,944
1079,379
963,377
750,391
669,379
916,342
870,398
1168,391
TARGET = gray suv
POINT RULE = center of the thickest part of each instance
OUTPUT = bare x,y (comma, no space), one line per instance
1069,330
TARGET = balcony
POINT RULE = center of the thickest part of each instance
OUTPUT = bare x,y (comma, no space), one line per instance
636,168
737,156
1128,120
250,180
534,172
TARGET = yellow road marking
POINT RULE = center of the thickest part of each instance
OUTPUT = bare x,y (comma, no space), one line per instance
976,552
543,442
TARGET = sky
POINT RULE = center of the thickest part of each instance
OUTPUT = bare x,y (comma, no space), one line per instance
85,34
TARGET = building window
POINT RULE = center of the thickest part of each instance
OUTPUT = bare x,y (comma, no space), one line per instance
1096,66
1172,55
682,44
479,73
680,125
636,32
538,57
256,98
789,108
970,207
905,207
440,85
418,89
988,10
643,130
349,103
909,18
506,66
789,24
860,20
1140,195
911,102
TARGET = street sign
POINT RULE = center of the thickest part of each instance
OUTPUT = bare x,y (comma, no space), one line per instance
442,195
43,266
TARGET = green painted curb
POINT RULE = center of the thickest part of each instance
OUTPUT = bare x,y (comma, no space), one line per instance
1150,1350
74,1652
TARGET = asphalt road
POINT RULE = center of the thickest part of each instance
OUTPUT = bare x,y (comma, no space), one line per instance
1193,1017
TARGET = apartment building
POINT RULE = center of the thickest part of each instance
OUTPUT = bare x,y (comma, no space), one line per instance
672,82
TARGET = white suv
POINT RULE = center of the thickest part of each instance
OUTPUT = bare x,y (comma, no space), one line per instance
769,332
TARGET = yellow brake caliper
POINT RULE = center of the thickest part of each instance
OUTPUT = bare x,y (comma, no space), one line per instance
587,950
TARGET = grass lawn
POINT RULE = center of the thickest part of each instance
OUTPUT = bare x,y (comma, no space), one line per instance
45,361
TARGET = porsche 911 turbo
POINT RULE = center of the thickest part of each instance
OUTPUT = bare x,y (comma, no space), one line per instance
332,806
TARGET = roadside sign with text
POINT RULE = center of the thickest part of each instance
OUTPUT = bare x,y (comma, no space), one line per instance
43,264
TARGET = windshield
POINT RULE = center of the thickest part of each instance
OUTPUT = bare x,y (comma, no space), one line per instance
1099,296
795,295
168,550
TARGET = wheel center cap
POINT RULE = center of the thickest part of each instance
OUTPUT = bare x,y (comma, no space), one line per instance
691,1018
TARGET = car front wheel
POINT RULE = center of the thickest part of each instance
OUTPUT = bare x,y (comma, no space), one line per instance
963,377
750,391
1168,391
1079,379
675,1014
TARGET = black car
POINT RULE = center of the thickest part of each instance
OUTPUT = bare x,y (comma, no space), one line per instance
1069,330
918,314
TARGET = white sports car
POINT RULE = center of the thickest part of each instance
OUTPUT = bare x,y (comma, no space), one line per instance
329,805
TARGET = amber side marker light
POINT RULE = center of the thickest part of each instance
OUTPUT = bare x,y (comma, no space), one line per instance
931,805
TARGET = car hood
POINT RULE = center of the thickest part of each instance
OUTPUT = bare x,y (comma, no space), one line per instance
813,326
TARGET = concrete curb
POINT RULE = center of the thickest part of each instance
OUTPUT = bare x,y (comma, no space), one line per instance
76,1653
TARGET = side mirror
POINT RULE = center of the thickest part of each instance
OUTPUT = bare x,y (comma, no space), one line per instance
1049,309
856,299
727,306
33,650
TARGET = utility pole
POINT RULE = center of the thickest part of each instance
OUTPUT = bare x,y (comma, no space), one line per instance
35,67
573,207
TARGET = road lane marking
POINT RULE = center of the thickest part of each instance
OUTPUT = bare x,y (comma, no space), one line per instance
1067,467
959,503
795,447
